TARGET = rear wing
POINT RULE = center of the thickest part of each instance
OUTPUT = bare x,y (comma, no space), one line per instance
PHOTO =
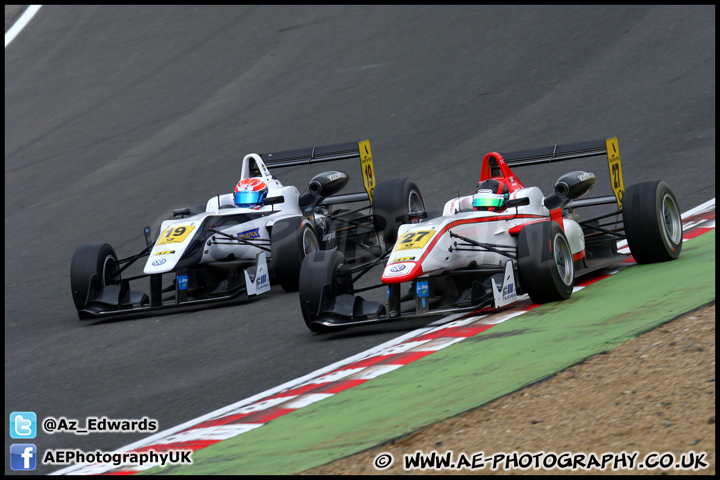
560,153
341,151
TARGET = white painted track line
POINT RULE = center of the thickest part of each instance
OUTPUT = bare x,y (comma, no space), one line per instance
21,23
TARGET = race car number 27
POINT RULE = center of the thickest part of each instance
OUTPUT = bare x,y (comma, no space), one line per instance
616,177
174,234
414,239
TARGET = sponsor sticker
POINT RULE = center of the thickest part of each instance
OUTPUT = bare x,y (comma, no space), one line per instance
509,293
254,233
398,269
158,262
167,252
414,239
616,176
423,290
366,164
182,282
262,283
175,234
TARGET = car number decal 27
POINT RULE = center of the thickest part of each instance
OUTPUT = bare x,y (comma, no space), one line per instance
616,177
414,239
175,234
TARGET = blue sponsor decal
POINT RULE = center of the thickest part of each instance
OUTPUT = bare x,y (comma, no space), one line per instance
254,233
423,289
182,282
397,268
158,262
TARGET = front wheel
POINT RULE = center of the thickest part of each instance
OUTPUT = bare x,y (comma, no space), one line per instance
394,200
653,225
324,275
545,262
93,266
291,239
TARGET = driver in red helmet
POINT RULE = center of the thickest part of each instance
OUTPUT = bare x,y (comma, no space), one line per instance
250,193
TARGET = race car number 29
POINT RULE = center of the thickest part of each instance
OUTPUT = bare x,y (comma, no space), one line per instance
175,234
366,163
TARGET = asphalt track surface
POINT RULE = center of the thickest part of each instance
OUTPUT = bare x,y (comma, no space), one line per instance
116,115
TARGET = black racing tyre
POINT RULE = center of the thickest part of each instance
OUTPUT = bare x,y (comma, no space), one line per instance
393,200
291,239
93,266
653,224
320,268
545,262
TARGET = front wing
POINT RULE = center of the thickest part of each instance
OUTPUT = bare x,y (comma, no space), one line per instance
189,290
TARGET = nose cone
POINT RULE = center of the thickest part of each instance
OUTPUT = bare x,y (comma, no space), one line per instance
401,272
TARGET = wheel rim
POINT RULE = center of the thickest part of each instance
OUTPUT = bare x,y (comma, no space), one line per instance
109,271
672,223
415,203
310,243
563,259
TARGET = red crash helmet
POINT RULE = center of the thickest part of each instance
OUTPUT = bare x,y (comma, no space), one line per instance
491,196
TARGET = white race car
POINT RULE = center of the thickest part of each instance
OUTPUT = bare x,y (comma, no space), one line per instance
503,241
239,242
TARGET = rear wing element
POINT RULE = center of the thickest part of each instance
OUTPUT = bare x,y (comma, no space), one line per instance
559,153
341,151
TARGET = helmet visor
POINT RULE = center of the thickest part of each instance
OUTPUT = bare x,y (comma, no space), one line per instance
487,200
248,198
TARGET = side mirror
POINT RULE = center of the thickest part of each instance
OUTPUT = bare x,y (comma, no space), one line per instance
421,215
328,183
274,200
518,202
569,187
181,212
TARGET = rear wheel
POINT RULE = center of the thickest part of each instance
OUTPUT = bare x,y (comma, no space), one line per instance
324,275
291,240
545,263
93,266
393,200
653,225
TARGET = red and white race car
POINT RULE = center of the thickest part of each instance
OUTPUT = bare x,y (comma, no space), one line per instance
504,241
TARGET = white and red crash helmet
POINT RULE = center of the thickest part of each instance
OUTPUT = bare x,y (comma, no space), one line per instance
250,192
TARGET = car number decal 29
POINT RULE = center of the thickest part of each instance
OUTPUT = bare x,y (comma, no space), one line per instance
366,163
414,239
175,234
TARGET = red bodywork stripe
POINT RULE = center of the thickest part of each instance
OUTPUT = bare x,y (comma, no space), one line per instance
439,234
556,216
516,229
